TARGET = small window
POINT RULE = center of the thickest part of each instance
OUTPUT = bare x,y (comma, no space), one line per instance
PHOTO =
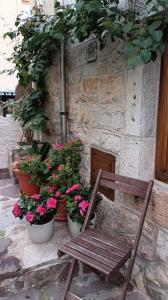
106,162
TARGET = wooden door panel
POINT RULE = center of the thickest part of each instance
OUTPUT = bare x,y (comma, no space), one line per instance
162,124
106,162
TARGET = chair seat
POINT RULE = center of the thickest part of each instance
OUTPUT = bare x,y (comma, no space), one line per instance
99,251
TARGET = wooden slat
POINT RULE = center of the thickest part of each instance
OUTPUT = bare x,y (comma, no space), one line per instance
122,246
90,253
122,187
87,260
112,250
71,296
99,250
123,179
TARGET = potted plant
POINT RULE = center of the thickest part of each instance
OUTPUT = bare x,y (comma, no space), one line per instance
27,171
28,168
78,199
39,211
62,170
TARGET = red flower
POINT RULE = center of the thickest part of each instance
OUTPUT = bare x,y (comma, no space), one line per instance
29,216
60,167
51,202
16,210
50,166
41,210
35,196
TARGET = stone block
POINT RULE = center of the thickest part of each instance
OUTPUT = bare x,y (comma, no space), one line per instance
91,85
130,157
113,89
133,101
150,95
106,116
162,245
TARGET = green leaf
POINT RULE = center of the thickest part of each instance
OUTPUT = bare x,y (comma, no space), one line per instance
155,25
157,35
145,55
127,27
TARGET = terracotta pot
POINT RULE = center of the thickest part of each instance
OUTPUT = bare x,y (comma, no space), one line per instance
61,214
24,183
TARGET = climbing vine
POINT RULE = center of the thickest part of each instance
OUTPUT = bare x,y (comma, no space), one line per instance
39,37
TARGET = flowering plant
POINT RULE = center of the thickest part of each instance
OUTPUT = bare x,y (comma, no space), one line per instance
78,199
38,208
62,165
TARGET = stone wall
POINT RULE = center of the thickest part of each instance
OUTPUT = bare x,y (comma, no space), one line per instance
10,134
114,109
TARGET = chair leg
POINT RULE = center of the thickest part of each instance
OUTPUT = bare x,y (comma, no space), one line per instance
69,278
128,278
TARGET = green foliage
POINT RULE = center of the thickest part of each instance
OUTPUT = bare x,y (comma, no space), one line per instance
29,112
31,165
35,149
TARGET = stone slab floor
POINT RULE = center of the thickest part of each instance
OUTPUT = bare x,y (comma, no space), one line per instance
29,256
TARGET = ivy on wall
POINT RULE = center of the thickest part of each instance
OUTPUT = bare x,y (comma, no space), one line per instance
39,37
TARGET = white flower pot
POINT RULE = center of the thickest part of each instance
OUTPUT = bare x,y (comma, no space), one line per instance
40,233
75,227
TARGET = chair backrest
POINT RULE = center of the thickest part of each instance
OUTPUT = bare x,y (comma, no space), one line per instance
124,184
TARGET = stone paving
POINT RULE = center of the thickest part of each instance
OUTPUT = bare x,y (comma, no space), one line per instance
32,271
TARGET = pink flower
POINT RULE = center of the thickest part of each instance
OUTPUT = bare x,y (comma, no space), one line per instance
51,189
57,194
59,146
51,202
76,186
50,166
35,196
83,206
29,216
73,188
16,210
54,175
41,210
77,197
60,167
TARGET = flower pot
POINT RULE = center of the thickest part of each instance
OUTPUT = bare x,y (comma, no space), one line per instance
75,227
24,183
61,214
40,233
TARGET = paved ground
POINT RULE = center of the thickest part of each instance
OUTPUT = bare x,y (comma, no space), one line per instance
88,286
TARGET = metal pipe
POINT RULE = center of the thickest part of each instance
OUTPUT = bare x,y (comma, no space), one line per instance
63,111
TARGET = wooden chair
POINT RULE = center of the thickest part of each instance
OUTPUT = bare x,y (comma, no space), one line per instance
105,253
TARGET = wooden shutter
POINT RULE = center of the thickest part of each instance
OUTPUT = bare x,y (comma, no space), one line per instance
162,124
106,162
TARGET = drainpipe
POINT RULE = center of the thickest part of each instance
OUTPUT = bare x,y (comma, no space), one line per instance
63,112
